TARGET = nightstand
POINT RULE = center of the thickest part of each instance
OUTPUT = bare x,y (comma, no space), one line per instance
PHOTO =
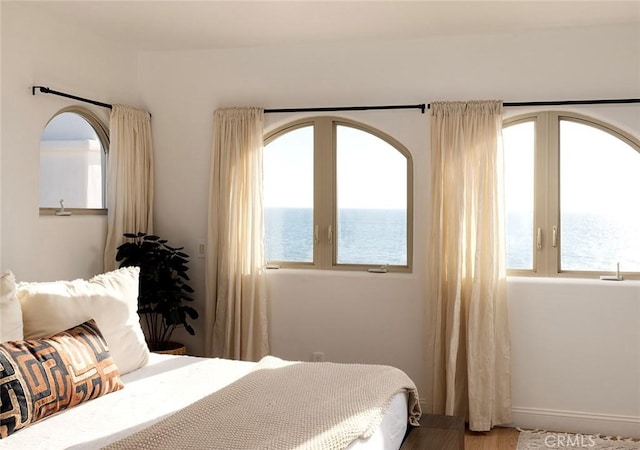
436,432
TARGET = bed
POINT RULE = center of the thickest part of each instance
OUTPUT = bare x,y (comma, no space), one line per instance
167,401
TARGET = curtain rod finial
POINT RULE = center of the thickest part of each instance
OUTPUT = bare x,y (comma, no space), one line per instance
42,89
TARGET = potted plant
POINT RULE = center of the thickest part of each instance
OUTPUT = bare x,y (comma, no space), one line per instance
163,288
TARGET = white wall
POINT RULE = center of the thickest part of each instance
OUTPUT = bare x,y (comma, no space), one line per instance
42,51
379,319
576,355
576,349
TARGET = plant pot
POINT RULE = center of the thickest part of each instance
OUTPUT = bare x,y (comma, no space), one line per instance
168,348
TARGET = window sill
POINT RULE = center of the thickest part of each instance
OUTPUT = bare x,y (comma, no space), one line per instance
566,280
287,271
74,212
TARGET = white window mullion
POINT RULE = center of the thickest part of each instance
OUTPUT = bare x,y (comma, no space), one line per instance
553,197
323,197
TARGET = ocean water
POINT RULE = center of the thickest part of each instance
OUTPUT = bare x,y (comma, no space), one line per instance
590,242
587,242
365,236
373,236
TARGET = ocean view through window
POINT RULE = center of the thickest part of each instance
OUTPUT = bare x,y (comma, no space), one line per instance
291,238
571,186
599,212
336,193
519,152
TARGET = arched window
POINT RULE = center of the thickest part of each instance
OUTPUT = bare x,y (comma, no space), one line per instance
571,196
337,194
73,149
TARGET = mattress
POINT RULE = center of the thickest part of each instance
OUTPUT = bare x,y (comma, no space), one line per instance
165,385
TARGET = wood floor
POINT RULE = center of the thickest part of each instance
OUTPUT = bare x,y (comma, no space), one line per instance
496,439
438,432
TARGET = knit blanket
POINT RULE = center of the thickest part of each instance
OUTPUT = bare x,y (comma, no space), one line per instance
284,405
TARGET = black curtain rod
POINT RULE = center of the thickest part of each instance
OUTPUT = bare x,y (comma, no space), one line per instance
46,90
575,102
571,102
421,107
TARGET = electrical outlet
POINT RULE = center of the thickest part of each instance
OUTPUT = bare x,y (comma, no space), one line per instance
317,356
202,249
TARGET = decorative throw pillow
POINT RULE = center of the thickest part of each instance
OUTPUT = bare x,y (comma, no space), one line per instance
10,312
40,377
111,299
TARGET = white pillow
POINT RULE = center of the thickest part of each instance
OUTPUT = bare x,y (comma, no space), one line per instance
111,299
10,312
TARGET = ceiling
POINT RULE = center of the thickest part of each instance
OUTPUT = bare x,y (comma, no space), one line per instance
185,25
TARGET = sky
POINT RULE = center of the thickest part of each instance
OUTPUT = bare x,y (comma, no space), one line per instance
371,173
600,173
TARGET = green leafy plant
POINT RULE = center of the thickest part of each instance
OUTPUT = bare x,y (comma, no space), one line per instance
163,286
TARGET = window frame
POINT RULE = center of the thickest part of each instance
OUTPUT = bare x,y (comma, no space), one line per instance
102,132
325,212
546,213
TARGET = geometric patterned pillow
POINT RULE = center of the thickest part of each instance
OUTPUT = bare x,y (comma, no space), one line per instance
39,377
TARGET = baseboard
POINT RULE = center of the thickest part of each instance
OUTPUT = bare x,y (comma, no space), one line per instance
576,422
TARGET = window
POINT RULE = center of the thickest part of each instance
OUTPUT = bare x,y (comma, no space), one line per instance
337,194
288,195
519,140
571,187
73,162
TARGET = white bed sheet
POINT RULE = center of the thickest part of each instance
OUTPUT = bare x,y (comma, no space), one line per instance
165,385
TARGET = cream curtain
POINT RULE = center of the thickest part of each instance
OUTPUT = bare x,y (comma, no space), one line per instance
129,178
468,343
236,309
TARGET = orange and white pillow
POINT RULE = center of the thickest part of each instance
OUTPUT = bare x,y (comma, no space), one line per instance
40,377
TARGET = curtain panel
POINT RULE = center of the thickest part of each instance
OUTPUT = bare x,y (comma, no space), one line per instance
236,308
129,178
468,342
